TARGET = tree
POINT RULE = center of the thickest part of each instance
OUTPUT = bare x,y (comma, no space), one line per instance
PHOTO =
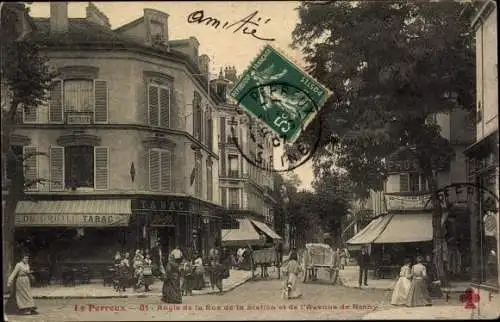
25,81
391,67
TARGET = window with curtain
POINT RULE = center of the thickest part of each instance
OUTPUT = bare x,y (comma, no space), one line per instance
79,95
79,166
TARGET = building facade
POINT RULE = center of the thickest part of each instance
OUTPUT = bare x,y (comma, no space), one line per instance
246,190
128,140
482,163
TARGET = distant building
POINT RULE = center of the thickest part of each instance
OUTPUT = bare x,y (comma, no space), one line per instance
245,189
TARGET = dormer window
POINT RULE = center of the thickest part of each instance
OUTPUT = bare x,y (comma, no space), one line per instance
157,35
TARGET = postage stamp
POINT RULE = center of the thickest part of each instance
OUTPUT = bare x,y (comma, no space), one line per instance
276,91
291,155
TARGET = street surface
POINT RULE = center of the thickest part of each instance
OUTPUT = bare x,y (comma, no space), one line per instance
255,300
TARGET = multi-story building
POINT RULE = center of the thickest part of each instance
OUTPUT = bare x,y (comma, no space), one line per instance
246,190
482,160
402,213
129,137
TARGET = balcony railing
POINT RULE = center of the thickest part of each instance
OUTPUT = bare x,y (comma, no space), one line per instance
234,206
84,117
233,174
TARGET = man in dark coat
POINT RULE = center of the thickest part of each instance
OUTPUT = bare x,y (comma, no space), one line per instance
363,262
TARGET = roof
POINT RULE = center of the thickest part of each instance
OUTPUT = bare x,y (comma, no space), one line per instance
83,33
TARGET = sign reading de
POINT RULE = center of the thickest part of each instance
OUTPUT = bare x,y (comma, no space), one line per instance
276,91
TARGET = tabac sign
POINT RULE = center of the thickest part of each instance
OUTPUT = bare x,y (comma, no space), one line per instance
71,220
174,204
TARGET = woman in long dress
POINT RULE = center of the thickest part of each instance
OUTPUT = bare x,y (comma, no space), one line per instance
199,273
291,270
171,291
418,295
19,282
402,287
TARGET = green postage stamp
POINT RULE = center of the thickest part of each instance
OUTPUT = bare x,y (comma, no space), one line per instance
276,91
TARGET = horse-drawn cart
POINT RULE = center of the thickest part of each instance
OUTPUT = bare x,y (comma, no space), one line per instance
265,257
318,256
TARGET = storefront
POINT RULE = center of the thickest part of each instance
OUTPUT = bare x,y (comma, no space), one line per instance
174,221
482,169
60,232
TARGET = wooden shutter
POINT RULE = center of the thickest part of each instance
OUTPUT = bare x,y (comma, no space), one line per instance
101,168
166,171
30,166
153,105
404,182
56,108
165,107
30,114
100,101
56,167
154,170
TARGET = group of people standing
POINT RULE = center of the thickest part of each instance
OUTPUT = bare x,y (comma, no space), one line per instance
136,271
414,286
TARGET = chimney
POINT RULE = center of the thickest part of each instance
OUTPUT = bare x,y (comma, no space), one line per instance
58,17
97,16
204,63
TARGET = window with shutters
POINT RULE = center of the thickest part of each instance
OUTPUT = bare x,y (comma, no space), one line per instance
197,117
210,183
14,168
159,105
199,179
160,170
30,167
78,101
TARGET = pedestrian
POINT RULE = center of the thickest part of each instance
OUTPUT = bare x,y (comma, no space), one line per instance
138,265
336,262
171,290
291,270
418,294
148,272
187,276
124,273
199,273
19,283
363,262
216,269
344,257
402,287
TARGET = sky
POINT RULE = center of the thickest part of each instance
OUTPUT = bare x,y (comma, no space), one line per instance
222,46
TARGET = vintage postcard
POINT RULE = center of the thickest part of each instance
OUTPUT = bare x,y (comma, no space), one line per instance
249,160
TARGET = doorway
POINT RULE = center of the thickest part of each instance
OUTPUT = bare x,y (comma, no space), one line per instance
166,237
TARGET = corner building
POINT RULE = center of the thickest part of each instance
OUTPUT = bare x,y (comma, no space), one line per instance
129,141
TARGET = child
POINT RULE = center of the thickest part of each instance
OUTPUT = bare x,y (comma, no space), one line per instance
291,270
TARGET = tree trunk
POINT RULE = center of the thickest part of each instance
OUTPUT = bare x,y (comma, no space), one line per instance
437,231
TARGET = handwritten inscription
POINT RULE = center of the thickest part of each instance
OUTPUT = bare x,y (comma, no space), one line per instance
246,25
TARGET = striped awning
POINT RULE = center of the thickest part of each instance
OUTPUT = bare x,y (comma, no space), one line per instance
407,228
266,230
368,234
243,236
74,213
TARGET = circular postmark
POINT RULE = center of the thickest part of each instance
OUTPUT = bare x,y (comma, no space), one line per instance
272,128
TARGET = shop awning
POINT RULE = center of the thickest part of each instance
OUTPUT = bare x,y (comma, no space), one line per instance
407,228
74,213
243,236
368,234
266,230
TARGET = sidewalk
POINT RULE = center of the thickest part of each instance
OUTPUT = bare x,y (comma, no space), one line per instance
236,278
448,312
350,275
